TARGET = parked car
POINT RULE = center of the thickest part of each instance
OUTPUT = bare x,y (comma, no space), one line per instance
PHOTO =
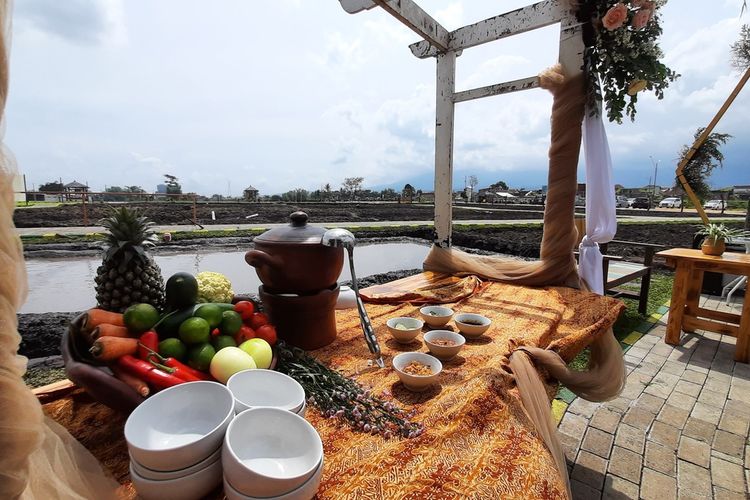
670,203
621,202
714,205
641,203
630,202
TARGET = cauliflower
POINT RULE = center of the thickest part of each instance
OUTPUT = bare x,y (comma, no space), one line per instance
214,287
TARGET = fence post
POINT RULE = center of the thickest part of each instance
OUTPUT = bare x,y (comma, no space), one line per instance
195,211
85,210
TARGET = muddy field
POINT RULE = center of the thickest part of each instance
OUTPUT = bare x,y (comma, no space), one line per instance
263,213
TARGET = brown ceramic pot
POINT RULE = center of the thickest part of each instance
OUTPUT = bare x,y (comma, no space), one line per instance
305,321
713,247
292,259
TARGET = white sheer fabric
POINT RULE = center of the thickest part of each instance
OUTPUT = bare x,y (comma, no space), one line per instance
601,220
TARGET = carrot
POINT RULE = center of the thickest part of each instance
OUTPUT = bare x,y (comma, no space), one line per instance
95,317
107,330
111,348
131,380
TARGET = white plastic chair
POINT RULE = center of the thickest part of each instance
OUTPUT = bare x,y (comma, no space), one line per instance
738,282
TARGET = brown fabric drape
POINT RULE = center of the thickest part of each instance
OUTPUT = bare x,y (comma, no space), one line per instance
39,459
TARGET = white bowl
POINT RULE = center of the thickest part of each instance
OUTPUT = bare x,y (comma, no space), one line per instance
191,487
436,315
156,475
304,492
413,327
265,388
270,451
417,383
442,351
303,410
179,426
470,330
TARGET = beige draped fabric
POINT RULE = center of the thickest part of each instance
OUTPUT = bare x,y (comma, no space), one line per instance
38,458
605,375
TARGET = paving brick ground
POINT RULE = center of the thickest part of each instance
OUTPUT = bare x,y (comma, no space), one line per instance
679,430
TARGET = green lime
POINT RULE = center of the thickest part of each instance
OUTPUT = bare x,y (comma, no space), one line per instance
140,317
200,356
173,348
231,322
222,341
211,313
195,331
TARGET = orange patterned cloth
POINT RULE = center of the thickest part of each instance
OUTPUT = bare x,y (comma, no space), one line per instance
478,441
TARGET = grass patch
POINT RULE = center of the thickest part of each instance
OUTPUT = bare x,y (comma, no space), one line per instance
630,320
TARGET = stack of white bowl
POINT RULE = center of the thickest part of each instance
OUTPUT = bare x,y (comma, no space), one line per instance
175,440
271,453
266,389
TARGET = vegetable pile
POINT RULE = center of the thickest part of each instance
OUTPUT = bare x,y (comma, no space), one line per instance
189,341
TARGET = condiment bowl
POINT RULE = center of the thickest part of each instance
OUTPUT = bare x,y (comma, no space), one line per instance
265,388
472,325
443,351
416,383
410,328
269,452
156,475
436,316
191,487
304,492
179,426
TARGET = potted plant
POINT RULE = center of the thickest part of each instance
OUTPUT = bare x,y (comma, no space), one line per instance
716,236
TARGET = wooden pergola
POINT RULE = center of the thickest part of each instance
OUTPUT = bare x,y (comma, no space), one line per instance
446,46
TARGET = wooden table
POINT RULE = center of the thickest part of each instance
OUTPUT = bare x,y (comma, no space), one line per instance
685,313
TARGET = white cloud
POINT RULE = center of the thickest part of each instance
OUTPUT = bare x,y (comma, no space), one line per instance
340,53
77,21
451,17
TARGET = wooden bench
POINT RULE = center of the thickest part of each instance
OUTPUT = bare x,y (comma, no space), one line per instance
617,271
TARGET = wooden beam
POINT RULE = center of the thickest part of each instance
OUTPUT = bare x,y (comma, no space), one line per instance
419,21
444,110
514,22
497,89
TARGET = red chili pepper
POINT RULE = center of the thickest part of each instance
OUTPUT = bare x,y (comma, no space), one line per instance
148,343
146,371
181,369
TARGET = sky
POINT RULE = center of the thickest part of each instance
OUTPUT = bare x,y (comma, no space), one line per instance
297,93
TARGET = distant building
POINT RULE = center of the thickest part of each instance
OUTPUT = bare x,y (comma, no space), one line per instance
250,194
742,192
426,197
75,190
161,188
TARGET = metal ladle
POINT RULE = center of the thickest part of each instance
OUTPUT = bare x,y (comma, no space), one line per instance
339,237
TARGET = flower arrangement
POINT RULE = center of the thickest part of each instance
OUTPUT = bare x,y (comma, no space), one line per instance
622,56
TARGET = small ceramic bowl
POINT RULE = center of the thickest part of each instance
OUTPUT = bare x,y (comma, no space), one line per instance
269,452
265,388
179,426
303,410
417,383
156,475
436,316
191,487
472,325
307,490
433,338
408,331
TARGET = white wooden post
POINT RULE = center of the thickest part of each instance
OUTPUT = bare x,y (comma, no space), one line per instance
444,107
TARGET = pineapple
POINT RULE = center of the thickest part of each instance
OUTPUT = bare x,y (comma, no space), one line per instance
128,275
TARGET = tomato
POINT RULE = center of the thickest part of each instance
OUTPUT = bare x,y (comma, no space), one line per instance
258,320
215,332
243,334
245,308
267,333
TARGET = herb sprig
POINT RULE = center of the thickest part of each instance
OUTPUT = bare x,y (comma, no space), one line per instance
338,396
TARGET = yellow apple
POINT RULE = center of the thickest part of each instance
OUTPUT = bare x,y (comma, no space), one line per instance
259,350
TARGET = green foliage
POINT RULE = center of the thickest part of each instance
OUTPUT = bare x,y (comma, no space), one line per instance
741,49
719,232
623,60
704,161
51,187
173,186
498,186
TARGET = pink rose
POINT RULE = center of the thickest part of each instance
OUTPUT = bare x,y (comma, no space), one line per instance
641,18
615,17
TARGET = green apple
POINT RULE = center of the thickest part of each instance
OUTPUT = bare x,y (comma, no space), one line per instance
229,361
259,350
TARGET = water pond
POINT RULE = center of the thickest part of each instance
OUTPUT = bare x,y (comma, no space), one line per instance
62,285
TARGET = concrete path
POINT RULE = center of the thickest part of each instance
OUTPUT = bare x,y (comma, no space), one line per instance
679,430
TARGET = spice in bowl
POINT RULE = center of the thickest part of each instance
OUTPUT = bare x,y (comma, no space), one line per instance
418,369
444,342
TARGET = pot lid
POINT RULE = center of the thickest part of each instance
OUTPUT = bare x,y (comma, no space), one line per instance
297,232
